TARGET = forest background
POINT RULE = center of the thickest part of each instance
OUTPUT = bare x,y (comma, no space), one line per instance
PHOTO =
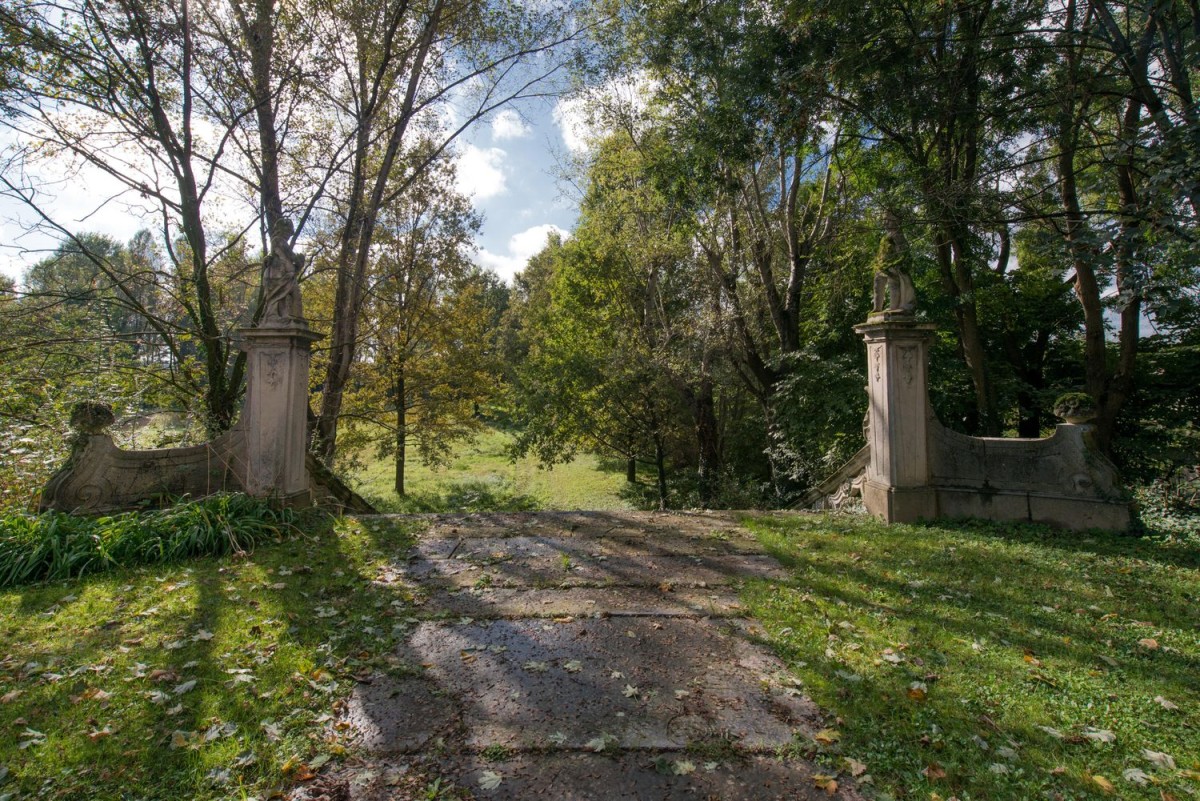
1034,166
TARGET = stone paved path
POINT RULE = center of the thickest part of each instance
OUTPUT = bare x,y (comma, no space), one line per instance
585,655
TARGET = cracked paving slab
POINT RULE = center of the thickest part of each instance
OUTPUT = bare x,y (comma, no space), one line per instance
585,602
519,656
636,776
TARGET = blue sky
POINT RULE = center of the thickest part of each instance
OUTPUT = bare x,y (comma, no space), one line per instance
507,163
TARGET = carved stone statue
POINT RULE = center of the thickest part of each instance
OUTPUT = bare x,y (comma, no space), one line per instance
893,290
893,283
280,280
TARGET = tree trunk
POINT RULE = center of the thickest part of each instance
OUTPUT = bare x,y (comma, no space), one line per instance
660,463
704,414
401,433
956,278
631,470
1120,384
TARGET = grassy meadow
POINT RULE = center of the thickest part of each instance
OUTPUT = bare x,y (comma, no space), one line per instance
481,477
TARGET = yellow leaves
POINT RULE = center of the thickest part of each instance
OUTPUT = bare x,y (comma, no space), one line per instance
827,736
827,783
1103,783
296,770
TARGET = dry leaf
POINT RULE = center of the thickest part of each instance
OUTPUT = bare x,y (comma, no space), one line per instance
827,736
827,783
918,690
934,772
1149,643
855,767
1158,759
490,780
1136,775
1165,704
1103,783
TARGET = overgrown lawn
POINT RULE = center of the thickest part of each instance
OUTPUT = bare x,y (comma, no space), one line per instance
983,661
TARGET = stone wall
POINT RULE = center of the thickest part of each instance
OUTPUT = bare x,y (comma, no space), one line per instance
1062,479
917,469
100,477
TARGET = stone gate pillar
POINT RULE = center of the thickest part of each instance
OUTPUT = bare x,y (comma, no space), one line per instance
897,487
275,415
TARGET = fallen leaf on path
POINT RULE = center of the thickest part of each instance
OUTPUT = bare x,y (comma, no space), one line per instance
490,780
827,783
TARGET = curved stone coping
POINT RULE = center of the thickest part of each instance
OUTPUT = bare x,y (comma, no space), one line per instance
100,476
1066,464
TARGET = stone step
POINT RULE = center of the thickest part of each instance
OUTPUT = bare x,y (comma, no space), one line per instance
544,571
637,776
584,602
643,683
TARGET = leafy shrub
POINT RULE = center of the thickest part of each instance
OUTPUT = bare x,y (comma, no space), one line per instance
54,545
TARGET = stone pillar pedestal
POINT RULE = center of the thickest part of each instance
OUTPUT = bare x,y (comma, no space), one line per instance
275,416
897,487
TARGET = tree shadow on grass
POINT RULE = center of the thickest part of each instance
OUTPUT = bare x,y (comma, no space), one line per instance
1018,638
205,679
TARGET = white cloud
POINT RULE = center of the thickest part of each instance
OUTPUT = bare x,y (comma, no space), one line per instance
481,172
509,125
584,118
522,247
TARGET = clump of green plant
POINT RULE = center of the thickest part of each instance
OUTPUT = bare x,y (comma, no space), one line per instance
496,753
1075,406
55,545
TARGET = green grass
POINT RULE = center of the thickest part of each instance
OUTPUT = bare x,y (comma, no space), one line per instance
481,477
984,661
211,680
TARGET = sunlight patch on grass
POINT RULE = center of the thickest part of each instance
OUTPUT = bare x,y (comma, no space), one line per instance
481,477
